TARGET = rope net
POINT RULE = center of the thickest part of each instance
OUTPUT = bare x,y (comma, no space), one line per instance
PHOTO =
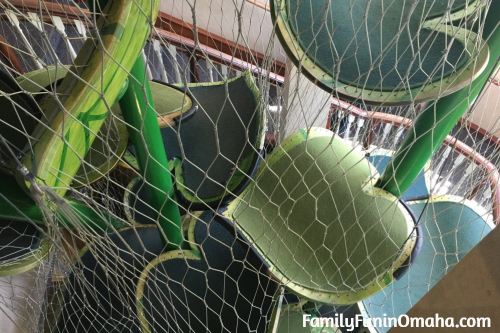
206,166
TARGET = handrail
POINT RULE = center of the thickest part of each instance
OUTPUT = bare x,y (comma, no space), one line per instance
175,31
67,12
457,145
8,55
179,28
182,41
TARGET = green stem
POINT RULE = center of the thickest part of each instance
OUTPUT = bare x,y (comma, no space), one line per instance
138,111
437,121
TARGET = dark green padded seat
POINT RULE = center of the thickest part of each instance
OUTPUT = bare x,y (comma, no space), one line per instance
219,283
23,246
214,153
219,147
219,286
375,49
100,293
451,228
18,118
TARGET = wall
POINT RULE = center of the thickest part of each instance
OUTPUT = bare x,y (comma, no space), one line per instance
221,18
486,112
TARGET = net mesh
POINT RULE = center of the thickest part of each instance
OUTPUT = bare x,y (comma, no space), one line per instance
253,196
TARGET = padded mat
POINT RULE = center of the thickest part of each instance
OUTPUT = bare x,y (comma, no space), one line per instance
227,291
347,40
225,130
455,230
17,240
136,207
36,81
417,189
96,302
308,215
169,101
18,118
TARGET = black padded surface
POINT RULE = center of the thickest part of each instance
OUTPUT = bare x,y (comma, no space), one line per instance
95,302
229,122
139,208
223,293
18,117
336,32
17,239
140,211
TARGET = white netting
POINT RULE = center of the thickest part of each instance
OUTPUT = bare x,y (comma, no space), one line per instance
252,195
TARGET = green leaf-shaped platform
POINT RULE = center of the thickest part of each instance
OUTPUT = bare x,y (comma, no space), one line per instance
391,52
316,219
451,227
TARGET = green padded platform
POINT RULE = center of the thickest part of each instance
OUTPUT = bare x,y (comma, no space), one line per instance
450,230
171,103
23,245
36,82
218,149
372,45
223,289
320,227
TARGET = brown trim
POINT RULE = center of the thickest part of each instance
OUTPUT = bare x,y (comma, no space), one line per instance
458,146
174,30
494,175
9,57
481,131
180,28
259,4
178,40
384,117
46,19
52,8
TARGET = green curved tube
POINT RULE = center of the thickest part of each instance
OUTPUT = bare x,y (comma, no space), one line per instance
15,204
422,141
100,70
146,137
